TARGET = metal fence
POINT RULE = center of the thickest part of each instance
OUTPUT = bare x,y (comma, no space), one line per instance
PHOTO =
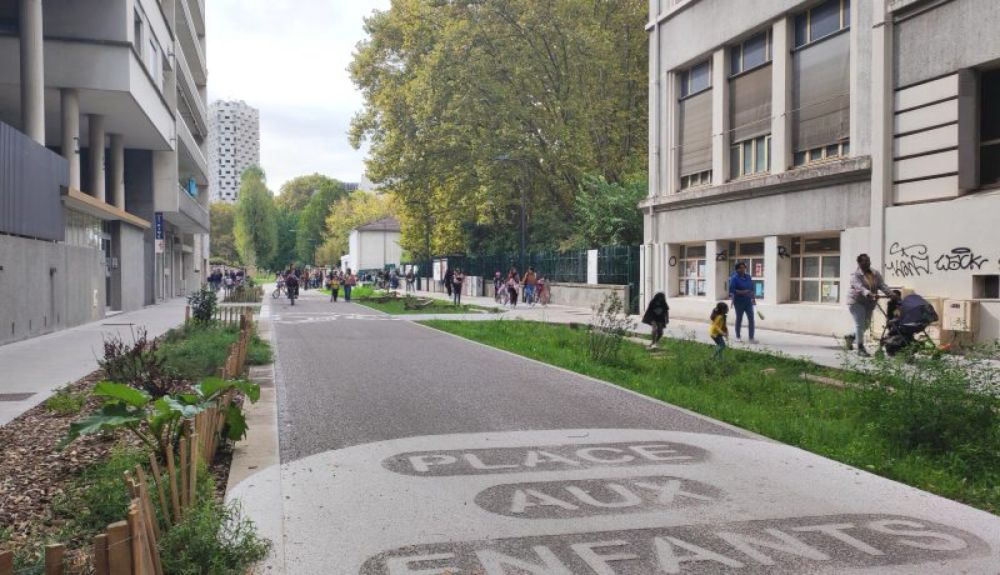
619,265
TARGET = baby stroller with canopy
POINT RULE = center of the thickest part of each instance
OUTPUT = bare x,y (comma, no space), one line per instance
905,320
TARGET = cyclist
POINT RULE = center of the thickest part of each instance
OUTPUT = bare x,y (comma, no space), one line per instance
498,287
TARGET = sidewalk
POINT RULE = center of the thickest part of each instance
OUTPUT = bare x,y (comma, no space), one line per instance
40,365
823,350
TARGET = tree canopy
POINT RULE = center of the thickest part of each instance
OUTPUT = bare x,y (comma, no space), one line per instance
312,219
222,242
346,214
296,193
468,102
255,226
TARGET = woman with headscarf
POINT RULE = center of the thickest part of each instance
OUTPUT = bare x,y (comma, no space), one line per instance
657,316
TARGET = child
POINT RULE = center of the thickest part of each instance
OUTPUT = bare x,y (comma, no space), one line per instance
657,316
718,330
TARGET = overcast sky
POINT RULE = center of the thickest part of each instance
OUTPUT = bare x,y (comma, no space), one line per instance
288,59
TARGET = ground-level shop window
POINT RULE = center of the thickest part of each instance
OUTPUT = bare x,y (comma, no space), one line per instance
691,265
815,273
752,254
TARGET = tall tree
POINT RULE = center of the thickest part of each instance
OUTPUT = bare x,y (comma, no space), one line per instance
312,219
222,242
255,224
467,103
295,193
287,224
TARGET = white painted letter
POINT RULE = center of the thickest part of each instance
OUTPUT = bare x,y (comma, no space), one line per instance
658,452
401,565
667,492
536,457
669,562
587,454
519,502
599,563
493,562
478,463
422,463
787,544
628,499
836,530
944,541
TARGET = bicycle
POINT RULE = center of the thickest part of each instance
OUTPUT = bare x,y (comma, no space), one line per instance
278,291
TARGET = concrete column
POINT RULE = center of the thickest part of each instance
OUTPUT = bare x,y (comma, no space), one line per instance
672,271
669,160
70,104
777,269
592,267
781,95
656,113
32,70
720,119
96,125
716,272
118,170
882,107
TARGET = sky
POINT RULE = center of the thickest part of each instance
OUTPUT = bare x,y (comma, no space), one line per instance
288,59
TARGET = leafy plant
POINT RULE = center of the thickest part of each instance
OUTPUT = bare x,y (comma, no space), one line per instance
97,497
610,327
203,305
214,538
138,365
65,402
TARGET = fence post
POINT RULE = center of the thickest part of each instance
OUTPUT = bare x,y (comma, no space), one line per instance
54,559
187,314
592,267
6,563
101,554
119,551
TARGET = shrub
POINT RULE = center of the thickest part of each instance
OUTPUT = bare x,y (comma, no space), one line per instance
138,365
213,539
610,327
98,496
66,402
203,305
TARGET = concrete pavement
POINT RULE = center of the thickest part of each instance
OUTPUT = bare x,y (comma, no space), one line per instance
405,450
34,368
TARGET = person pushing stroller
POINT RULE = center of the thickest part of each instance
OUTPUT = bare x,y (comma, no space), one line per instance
861,301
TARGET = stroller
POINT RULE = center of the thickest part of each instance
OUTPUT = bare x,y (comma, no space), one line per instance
905,320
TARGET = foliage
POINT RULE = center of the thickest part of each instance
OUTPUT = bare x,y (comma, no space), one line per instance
759,392
401,306
939,405
66,401
468,102
610,327
203,305
312,219
296,192
223,244
348,213
255,223
284,255
196,351
213,539
139,365
606,213
98,496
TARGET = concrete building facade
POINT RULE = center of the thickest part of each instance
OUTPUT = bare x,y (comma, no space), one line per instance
114,90
800,134
233,146
373,246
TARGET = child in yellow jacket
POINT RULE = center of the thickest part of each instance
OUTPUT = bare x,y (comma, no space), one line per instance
717,330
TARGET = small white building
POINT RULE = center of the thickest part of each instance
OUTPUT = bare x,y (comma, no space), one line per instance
373,246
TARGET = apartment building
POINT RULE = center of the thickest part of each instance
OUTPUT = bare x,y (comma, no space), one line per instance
233,146
794,135
104,190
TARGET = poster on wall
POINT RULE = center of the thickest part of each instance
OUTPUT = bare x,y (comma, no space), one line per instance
158,231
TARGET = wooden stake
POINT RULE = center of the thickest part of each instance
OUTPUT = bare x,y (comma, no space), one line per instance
101,555
174,499
6,563
185,496
193,491
54,559
147,502
119,550
165,511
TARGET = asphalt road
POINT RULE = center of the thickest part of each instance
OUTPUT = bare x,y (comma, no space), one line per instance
408,451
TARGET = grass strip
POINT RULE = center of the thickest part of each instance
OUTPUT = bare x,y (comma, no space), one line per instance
760,392
397,307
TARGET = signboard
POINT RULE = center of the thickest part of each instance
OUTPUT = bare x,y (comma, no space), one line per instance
158,231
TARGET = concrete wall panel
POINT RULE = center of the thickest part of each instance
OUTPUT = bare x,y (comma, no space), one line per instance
132,262
927,117
924,142
953,35
925,190
927,93
926,166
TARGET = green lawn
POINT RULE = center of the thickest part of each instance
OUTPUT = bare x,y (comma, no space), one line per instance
758,392
396,307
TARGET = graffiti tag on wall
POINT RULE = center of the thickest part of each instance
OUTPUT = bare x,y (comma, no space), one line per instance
915,260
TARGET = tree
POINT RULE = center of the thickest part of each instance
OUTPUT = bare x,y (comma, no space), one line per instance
223,244
467,102
284,254
605,213
312,219
348,213
255,226
295,193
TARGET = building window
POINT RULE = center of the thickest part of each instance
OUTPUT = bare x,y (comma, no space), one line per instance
989,128
815,273
137,32
750,157
694,180
696,79
751,254
821,21
986,287
691,265
841,150
754,52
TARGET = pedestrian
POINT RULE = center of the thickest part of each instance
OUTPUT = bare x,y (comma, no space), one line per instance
718,330
861,301
447,280
457,279
741,293
512,287
334,287
657,316
350,280
410,281
497,286
528,285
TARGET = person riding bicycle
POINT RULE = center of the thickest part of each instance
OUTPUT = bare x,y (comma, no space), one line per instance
292,285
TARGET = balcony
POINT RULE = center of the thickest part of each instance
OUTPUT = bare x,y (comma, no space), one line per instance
193,107
189,39
187,213
191,158
30,184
